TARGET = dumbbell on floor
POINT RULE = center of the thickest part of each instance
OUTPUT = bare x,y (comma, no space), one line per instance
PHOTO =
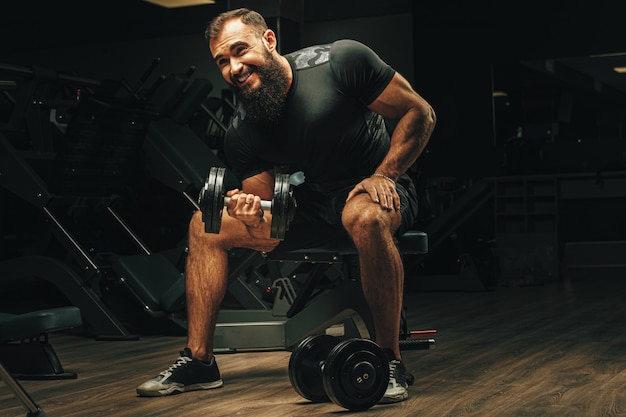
352,373
212,201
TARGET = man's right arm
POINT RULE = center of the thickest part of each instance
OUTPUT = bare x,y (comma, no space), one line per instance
245,204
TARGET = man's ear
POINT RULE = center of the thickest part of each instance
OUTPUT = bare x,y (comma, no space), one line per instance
269,39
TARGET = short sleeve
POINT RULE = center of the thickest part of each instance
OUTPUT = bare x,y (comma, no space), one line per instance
359,71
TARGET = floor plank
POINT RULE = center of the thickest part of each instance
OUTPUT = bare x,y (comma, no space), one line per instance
551,350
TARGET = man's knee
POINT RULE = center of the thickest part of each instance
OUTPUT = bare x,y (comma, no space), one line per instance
367,219
196,225
364,219
199,238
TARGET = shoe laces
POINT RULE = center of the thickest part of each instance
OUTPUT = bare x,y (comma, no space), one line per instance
179,362
395,378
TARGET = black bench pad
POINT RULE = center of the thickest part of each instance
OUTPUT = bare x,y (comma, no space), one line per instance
409,243
34,323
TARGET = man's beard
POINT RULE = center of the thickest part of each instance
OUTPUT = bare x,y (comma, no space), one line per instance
266,102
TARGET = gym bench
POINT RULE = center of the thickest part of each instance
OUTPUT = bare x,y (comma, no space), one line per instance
25,352
328,297
311,291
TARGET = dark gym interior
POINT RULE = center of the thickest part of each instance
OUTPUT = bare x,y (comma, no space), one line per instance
112,113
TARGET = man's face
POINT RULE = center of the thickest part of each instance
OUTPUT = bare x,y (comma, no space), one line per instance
247,64
238,51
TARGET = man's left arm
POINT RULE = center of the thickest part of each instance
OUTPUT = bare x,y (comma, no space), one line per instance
415,123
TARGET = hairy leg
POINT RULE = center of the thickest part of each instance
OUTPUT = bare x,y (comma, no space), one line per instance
382,272
206,277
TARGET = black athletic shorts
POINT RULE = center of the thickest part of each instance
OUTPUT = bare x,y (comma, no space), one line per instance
317,220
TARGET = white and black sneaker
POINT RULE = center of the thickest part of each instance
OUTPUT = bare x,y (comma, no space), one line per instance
397,390
186,374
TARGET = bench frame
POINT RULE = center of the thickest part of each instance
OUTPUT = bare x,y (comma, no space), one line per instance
330,300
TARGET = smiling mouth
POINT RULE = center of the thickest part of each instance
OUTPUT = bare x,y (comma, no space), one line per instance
240,79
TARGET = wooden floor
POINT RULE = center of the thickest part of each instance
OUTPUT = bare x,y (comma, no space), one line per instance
552,350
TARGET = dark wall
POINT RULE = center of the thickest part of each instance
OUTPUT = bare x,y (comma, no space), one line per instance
463,51
456,51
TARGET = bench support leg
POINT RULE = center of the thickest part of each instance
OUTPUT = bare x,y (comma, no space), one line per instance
31,407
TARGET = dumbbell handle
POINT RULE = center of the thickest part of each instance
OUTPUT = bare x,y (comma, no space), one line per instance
417,344
265,205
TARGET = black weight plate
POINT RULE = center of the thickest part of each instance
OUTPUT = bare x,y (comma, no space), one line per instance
203,198
356,374
209,196
214,196
291,208
305,373
279,203
218,199
283,182
287,201
275,210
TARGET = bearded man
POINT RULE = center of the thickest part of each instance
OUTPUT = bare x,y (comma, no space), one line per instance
320,110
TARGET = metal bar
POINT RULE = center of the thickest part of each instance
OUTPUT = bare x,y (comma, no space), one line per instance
129,231
20,392
214,118
74,242
192,200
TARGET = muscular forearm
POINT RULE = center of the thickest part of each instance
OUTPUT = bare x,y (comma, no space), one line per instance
408,141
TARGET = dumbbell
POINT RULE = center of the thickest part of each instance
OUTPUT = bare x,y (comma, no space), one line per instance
352,373
212,201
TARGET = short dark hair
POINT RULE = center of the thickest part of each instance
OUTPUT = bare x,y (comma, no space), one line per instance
247,16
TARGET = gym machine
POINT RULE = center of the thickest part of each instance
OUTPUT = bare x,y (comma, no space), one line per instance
69,148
